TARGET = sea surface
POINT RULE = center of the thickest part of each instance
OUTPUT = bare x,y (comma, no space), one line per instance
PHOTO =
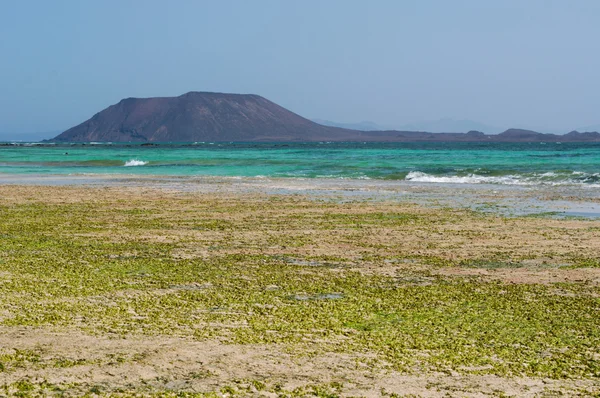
551,163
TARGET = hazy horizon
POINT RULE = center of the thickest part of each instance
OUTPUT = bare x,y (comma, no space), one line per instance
503,64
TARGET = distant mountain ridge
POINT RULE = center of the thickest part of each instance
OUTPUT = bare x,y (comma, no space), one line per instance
365,125
444,125
448,125
594,127
206,116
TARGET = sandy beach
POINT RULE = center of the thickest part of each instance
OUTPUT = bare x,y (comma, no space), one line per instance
129,286
326,199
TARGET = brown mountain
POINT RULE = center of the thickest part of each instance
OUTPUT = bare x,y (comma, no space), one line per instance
202,116
198,116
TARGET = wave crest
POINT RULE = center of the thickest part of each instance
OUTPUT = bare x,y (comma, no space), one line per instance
548,178
135,162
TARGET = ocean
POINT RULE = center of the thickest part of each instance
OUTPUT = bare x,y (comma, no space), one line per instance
551,163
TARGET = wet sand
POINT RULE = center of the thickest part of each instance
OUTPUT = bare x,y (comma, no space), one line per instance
563,200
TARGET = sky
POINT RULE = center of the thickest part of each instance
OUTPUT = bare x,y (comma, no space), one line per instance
509,63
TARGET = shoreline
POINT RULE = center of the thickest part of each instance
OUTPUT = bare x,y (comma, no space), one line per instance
507,200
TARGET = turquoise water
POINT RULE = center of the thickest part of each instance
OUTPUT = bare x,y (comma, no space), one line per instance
496,163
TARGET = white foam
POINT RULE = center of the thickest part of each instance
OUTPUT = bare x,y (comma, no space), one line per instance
419,176
539,179
135,162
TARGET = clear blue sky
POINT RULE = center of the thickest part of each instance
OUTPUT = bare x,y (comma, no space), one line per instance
529,63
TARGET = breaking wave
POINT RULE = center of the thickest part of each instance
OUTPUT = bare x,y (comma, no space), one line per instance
135,162
548,178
